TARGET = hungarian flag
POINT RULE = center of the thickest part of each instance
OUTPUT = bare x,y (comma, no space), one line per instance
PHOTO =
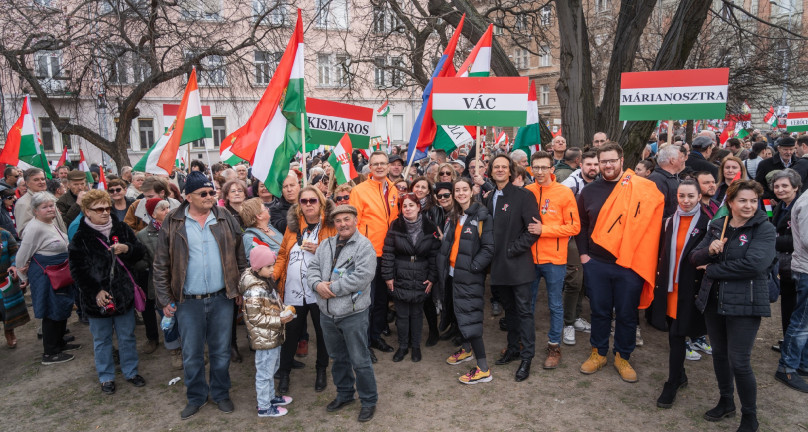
502,138
273,134
674,94
384,109
340,160
23,148
797,122
740,131
64,159
102,179
558,133
84,166
729,130
424,128
188,125
528,137
767,205
149,162
770,119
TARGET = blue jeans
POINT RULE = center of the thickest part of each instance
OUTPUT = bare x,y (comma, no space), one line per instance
171,338
554,280
266,364
101,329
206,320
347,345
795,344
612,287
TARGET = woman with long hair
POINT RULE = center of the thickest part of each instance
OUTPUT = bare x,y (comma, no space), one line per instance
727,172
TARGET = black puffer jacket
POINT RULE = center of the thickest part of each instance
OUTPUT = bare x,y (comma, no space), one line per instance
474,254
784,244
91,261
740,273
408,264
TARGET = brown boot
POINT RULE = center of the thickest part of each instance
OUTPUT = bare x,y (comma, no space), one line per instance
594,363
553,356
176,359
11,339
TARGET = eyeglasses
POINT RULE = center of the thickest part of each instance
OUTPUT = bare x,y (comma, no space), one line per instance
541,168
309,201
115,190
102,209
402,188
444,196
205,194
342,198
610,162
446,173
233,191
379,164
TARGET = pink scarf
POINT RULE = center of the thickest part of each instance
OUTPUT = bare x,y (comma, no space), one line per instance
103,229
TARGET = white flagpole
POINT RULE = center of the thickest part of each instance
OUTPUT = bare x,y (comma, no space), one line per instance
303,139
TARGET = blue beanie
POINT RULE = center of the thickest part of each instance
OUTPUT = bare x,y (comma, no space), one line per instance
196,180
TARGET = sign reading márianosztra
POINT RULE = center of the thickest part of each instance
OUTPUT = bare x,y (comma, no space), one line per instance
797,122
500,101
329,121
674,94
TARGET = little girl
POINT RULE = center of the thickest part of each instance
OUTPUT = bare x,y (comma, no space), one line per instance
265,317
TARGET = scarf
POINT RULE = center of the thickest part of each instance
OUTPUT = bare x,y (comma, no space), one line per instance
156,225
696,212
103,229
414,228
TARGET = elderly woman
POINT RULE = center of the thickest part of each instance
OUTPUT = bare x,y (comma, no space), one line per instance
736,254
786,185
443,196
234,193
308,224
446,173
101,254
259,190
13,308
44,244
342,194
120,202
133,191
730,168
258,230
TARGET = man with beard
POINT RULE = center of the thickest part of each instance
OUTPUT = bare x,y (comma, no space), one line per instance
707,187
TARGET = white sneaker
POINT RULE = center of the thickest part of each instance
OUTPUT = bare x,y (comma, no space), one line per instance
639,342
692,355
702,345
569,335
582,325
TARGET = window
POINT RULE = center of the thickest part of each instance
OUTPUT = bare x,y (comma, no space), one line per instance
274,12
46,133
342,71
265,64
544,95
324,76
499,25
145,128
521,58
397,127
545,57
546,15
521,23
219,131
121,6
396,74
379,74
212,70
49,70
127,68
379,19
332,13
603,5
201,9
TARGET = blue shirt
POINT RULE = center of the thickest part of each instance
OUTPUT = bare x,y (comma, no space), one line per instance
204,273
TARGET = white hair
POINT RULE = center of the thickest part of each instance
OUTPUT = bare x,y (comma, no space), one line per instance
40,198
667,153
518,155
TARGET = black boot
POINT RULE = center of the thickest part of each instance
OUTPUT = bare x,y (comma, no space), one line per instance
283,383
321,381
416,355
669,391
432,339
400,354
725,408
749,423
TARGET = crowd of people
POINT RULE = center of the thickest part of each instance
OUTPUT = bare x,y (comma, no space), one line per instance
698,238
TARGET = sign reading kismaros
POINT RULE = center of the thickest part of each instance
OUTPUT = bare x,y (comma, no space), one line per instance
329,121
675,94
480,101
797,122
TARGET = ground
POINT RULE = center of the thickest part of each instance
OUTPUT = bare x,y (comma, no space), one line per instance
412,396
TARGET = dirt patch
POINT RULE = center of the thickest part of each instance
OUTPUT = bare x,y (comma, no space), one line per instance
413,396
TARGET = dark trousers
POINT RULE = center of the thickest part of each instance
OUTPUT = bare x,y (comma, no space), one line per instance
788,298
676,358
378,306
431,315
733,338
295,329
573,294
236,311
409,323
52,335
519,318
612,287
150,321
448,303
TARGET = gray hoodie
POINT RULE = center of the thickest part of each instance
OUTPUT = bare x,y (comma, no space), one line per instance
799,232
350,277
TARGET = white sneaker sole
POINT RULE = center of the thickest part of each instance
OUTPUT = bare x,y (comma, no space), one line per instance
482,380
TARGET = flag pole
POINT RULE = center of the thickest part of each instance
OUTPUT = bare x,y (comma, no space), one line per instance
670,132
477,150
387,131
409,164
303,140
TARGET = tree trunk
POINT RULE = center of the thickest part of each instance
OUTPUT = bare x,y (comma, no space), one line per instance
574,86
689,132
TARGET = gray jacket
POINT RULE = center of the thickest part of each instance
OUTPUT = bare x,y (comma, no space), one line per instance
350,277
799,232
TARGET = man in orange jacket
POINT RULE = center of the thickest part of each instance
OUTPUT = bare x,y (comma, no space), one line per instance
559,220
376,202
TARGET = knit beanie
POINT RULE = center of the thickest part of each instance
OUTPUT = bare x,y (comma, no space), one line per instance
261,256
151,205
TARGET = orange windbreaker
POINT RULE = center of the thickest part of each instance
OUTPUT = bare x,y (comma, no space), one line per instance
373,213
559,221
628,226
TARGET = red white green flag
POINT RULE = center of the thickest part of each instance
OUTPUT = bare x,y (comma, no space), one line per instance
23,148
384,109
767,205
188,126
340,160
84,166
500,101
329,121
797,122
675,94
528,137
478,64
770,118
102,179
64,159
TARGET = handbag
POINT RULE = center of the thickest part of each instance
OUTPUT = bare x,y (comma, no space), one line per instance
59,274
140,296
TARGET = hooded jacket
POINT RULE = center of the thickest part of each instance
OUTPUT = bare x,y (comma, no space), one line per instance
409,264
262,311
559,220
374,214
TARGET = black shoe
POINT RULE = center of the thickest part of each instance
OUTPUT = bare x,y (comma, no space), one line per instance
668,395
68,338
507,358
777,347
724,409
450,333
366,413
226,406
235,356
56,358
321,381
137,381
381,345
792,380
298,364
416,355
336,404
523,372
503,324
432,340
190,410
802,372
108,388
283,384
399,355
373,358
71,347
391,316
749,423
386,331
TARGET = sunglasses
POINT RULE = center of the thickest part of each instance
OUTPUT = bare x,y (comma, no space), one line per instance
445,173
342,198
444,196
115,190
309,201
206,194
402,188
10,198
102,209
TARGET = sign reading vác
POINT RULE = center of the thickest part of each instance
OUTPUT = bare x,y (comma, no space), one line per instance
498,101
797,122
675,94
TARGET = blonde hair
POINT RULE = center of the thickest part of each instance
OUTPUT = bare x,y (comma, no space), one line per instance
250,210
93,196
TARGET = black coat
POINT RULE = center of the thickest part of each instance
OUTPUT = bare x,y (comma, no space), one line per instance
800,165
513,261
689,321
668,184
740,273
474,254
91,261
784,243
696,163
409,264
277,213
436,215
6,223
